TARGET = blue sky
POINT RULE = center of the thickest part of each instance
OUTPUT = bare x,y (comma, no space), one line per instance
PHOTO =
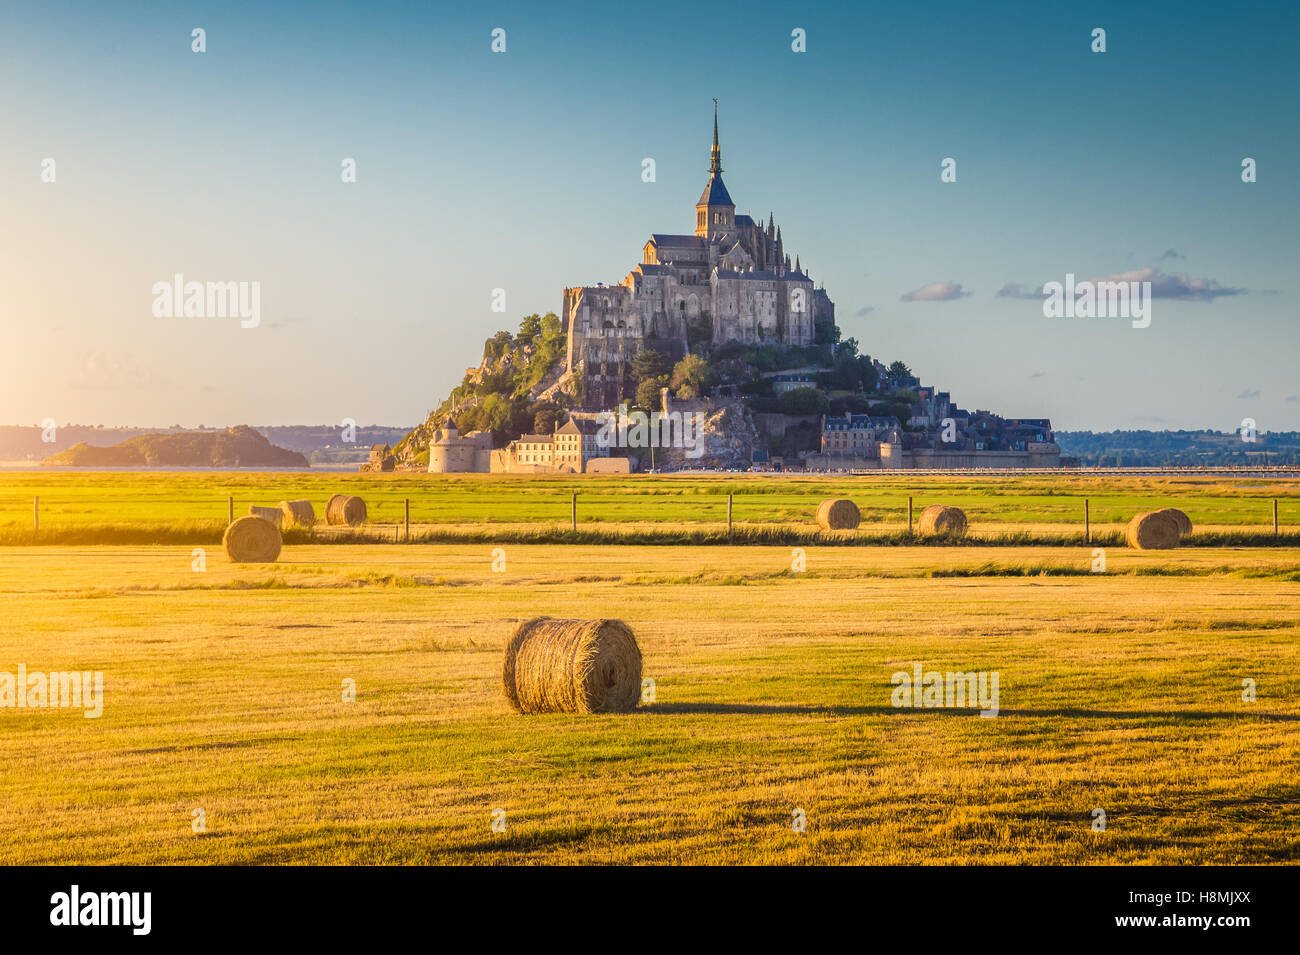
522,171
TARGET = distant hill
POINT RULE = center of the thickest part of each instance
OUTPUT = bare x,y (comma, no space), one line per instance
1144,449
322,444
240,446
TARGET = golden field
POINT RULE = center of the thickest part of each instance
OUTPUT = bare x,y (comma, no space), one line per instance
223,692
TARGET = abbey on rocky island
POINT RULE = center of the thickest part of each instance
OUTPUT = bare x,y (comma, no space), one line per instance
731,281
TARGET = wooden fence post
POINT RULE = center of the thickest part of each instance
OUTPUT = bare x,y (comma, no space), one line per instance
1275,517
909,516
1087,523
230,510
573,510
728,515
36,514
408,519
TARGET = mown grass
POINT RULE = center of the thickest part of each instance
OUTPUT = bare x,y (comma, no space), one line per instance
1003,535
180,507
1120,690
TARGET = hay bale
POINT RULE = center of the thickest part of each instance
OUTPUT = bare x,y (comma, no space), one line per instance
252,540
1154,530
1182,520
572,666
272,514
939,520
297,514
838,514
345,509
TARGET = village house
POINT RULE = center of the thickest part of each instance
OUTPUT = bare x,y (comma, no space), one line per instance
858,434
783,383
938,435
571,449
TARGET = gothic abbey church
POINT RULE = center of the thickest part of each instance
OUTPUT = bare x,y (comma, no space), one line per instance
731,281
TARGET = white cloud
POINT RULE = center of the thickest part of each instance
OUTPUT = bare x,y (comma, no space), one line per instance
935,292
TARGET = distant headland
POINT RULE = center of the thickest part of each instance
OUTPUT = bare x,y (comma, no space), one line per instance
240,446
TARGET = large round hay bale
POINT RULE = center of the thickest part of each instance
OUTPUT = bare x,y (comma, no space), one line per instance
939,520
838,514
252,540
345,509
1152,531
1182,520
298,513
272,514
572,666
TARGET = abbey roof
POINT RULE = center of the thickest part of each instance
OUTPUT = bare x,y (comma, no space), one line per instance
715,193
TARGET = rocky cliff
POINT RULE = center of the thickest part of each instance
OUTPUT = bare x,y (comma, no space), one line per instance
729,437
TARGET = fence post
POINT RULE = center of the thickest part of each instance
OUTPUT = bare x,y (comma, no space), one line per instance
1274,517
909,516
36,514
1087,523
230,510
573,505
728,515
408,519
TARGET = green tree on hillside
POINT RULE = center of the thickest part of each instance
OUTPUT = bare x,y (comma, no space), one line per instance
497,345
547,344
899,370
545,420
529,328
691,377
649,364
854,373
649,392
826,333
495,413
803,401
867,374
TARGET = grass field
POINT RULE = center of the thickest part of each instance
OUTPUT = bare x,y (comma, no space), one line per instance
140,507
1120,691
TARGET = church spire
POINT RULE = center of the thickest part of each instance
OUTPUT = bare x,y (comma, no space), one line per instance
715,157
715,213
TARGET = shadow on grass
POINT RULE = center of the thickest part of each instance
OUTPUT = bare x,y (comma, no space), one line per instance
214,745
785,709
524,840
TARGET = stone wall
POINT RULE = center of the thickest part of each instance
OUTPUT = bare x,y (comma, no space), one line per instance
609,466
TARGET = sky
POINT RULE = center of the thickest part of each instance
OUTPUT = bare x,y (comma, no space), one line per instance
522,170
